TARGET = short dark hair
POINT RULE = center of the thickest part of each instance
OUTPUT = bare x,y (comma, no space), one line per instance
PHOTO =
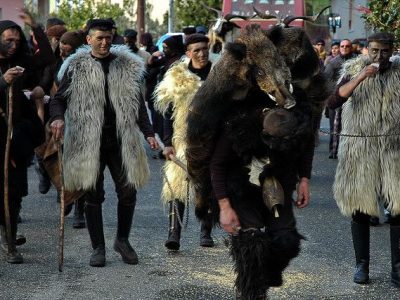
382,37
54,21
336,43
99,24
189,30
196,38
130,33
320,41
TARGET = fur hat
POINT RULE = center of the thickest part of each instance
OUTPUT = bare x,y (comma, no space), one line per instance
104,24
130,33
196,38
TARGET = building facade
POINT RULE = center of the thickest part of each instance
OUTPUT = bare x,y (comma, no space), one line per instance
353,26
9,10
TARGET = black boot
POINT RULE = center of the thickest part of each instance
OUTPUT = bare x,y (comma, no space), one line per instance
205,234
395,250
360,234
176,209
79,214
121,244
44,179
94,220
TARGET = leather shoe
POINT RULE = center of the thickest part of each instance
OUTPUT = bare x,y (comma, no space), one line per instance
361,275
14,257
396,276
128,254
206,241
98,257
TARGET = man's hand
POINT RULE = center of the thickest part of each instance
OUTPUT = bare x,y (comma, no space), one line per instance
152,142
368,71
57,128
11,74
303,193
26,16
168,151
228,218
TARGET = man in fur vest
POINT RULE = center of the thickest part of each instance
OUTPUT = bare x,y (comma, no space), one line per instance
173,97
100,102
368,168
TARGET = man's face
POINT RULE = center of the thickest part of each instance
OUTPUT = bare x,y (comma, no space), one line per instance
198,53
380,53
345,48
10,41
65,50
100,42
320,47
129,41
335,50
167,51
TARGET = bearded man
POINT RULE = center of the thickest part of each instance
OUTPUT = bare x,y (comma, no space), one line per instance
173,97
100,99
368,168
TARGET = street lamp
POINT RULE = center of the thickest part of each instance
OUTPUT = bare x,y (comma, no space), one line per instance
334,21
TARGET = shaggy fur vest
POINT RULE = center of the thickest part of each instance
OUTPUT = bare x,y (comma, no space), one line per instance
177,89
84,117
369,168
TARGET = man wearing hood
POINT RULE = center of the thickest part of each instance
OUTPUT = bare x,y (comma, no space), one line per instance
17,67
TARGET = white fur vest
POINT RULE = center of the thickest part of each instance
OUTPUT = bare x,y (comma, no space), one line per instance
84,116
369,168
177,89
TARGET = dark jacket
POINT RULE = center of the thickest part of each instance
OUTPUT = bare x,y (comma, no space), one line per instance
28,131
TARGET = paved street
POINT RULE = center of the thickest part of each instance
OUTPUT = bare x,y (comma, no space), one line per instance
324,269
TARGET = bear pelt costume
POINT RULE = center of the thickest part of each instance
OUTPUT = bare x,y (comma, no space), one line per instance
232,98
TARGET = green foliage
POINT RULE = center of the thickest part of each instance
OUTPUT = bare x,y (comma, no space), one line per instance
154,26
192,12
75,13
383,15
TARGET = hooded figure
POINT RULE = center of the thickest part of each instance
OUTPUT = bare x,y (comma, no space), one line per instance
16,67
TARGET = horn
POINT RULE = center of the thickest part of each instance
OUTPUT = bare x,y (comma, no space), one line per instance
320,13
228,17
262,15
290,19
219,12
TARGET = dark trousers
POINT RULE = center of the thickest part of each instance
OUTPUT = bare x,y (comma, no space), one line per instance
110,156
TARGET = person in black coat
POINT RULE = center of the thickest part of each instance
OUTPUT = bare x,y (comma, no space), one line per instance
17,68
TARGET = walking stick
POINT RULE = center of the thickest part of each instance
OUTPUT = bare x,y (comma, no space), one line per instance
62,208
6,163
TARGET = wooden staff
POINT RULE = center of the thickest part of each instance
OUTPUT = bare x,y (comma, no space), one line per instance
62,208
6,164
173,158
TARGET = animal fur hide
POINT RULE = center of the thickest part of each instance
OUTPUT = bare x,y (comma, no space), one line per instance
370,167
177,89
84,117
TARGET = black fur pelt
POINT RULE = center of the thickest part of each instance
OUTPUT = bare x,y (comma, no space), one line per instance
260,258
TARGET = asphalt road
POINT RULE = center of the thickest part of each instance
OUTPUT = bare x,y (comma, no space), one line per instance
324,269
